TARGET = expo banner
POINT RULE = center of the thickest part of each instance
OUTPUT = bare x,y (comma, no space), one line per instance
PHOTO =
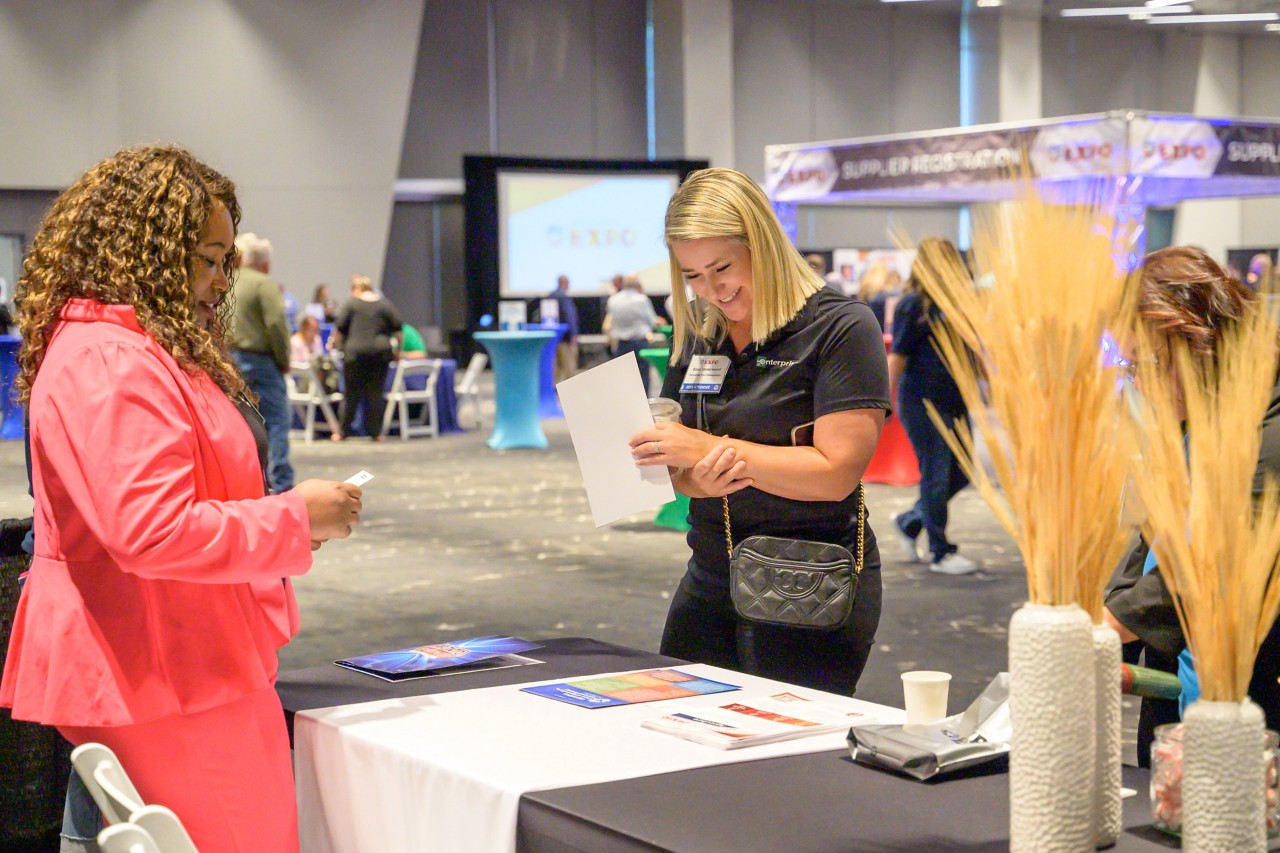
1141,145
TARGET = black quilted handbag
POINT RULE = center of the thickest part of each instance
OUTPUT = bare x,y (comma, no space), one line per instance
794,583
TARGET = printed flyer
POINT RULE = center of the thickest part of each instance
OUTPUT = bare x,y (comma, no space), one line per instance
630,688
422,661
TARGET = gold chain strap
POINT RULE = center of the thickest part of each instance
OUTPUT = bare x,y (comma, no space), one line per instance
862,519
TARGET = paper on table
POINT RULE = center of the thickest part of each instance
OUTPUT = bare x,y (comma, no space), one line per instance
604,407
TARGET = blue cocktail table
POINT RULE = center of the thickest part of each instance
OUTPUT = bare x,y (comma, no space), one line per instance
515,357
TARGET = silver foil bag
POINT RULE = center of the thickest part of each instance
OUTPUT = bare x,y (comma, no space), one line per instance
979,735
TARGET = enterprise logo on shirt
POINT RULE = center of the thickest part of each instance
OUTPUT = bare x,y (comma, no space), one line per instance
761,361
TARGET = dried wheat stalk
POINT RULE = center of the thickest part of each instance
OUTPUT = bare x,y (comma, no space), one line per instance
1216,542
1051,414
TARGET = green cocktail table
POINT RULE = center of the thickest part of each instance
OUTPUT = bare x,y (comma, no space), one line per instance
675,514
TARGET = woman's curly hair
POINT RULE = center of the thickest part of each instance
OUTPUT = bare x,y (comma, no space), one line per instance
125,233
1187,295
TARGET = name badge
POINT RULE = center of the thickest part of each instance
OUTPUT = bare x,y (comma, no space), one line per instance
705,375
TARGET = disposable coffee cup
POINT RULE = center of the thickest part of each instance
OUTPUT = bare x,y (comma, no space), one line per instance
664,409
925,694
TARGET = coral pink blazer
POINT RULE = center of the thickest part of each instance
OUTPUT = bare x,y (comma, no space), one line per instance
159,580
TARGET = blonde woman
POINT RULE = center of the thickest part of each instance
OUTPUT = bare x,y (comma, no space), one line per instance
786,437
159,590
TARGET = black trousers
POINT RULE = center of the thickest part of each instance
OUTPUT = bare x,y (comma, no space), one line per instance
702,627
364,374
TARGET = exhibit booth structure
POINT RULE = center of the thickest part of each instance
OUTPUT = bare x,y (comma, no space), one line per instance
1127,160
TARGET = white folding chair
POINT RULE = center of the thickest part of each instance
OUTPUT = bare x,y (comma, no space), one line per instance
127,838
307,395
401,397
467,389
108,784
164,827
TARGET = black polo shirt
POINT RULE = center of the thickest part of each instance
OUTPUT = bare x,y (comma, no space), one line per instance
829,358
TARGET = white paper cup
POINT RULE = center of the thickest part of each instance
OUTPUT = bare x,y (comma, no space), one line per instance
664,409
925,692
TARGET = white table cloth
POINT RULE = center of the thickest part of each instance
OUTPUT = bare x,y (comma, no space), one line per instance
445,772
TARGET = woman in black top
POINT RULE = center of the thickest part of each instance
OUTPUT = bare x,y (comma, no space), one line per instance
368,328
804,363
916,373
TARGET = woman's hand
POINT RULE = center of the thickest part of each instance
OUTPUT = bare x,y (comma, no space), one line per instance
670,444
333,508
718,473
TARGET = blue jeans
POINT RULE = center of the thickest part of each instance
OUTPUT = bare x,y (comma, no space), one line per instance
940,474
81,820
264,377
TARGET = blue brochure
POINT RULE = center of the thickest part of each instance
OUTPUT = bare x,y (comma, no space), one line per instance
421,661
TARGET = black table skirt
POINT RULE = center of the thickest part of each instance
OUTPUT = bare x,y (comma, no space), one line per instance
817,803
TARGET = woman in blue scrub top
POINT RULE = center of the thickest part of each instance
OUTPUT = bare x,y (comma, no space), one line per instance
1187,296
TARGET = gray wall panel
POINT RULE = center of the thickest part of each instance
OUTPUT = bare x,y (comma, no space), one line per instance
619,80
409,277
449,107
544,64
772,79
1089,68
301,102
852,71
926,71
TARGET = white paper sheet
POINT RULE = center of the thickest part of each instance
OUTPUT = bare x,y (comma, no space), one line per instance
604,407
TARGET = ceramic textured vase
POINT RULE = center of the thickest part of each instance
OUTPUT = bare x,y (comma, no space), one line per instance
1106,788
1224,778
1052,754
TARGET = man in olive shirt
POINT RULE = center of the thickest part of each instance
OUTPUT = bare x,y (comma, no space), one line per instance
260,342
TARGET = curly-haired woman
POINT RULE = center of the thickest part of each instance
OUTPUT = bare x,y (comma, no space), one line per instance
159,592
1187,298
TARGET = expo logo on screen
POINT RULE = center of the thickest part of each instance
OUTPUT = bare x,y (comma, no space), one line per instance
590,238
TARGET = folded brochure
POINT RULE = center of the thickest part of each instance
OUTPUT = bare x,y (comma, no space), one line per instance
759,720
629,688
421,661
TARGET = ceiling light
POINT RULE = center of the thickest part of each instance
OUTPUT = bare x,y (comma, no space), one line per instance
1273,28
1159,4
987,4
1217,19
1124,10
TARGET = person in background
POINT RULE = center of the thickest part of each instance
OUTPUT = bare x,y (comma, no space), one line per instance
869,287
1259,276
567,349
818,264
260,337
159,590
290,308
632,319
306,343
786,439
321,306
1186,296
887,299
916,374
367,331
411,343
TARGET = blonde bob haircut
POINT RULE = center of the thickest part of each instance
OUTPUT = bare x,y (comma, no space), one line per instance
726,203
